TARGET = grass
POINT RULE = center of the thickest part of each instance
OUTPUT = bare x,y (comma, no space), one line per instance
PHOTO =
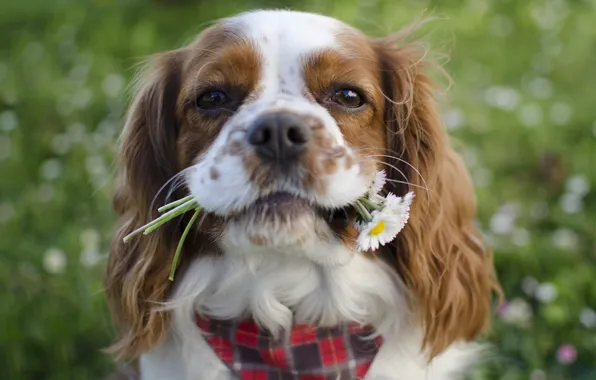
521,112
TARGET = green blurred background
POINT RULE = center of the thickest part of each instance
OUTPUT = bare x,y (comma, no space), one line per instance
523,107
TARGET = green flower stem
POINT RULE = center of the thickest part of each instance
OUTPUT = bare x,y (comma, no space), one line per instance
163,218
175,204
363,211
369,203
169,216
182,238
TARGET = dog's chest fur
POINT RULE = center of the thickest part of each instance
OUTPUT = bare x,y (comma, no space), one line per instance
267,287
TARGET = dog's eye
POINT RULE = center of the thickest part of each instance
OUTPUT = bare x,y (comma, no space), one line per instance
212,99
348,98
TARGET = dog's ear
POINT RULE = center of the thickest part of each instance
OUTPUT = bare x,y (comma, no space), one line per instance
136,280
440,253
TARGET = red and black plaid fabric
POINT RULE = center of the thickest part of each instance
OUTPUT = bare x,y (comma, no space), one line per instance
304,353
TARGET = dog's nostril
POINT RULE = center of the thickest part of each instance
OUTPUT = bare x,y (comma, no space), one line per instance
296,135
279,136
260,136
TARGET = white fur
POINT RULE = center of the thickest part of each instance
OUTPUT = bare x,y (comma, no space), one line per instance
306,280
284,46
267,284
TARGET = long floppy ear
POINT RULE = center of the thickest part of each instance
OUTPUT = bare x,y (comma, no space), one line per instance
440,254
136,277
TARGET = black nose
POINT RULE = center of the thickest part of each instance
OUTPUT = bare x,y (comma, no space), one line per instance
279,136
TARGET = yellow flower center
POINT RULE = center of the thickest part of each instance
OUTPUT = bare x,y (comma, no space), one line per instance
376,230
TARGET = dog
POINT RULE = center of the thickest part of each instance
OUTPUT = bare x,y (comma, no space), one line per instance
276,122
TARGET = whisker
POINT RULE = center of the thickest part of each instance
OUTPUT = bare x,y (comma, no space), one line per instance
405,162
175,177
393,157
175,185
407,183
371,158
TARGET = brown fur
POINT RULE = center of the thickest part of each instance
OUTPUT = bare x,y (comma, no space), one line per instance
440,254
164,134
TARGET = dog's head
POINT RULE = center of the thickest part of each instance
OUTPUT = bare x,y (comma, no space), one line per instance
276,122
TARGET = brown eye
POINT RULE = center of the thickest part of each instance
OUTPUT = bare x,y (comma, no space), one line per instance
348,98
212,99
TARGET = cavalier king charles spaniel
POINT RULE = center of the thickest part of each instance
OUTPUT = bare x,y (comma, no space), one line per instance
276,122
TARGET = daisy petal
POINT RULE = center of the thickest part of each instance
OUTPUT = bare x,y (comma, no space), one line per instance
381,230
377,186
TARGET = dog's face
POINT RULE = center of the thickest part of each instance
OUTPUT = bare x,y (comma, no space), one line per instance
277,122
285,123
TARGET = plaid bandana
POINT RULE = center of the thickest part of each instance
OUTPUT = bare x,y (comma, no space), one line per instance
304,353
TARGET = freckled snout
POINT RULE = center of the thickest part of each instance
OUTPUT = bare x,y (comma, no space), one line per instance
279,137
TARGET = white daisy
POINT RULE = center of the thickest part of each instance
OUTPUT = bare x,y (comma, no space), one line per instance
383,228
398,205
377,185
385,223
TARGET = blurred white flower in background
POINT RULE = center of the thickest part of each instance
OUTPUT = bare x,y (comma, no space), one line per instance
6,212
102,136
538,374
549,15
578,184
571,203
51,168
90,255
107,128
540,87
478,7
529,285
503,221
546,292
565,238
454,118
503,97
517,312
95,165
587,318
530,115
560,113
112,85
8,120
5,143
54,261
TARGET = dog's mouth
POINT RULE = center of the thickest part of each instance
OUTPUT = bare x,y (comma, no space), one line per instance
286,206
